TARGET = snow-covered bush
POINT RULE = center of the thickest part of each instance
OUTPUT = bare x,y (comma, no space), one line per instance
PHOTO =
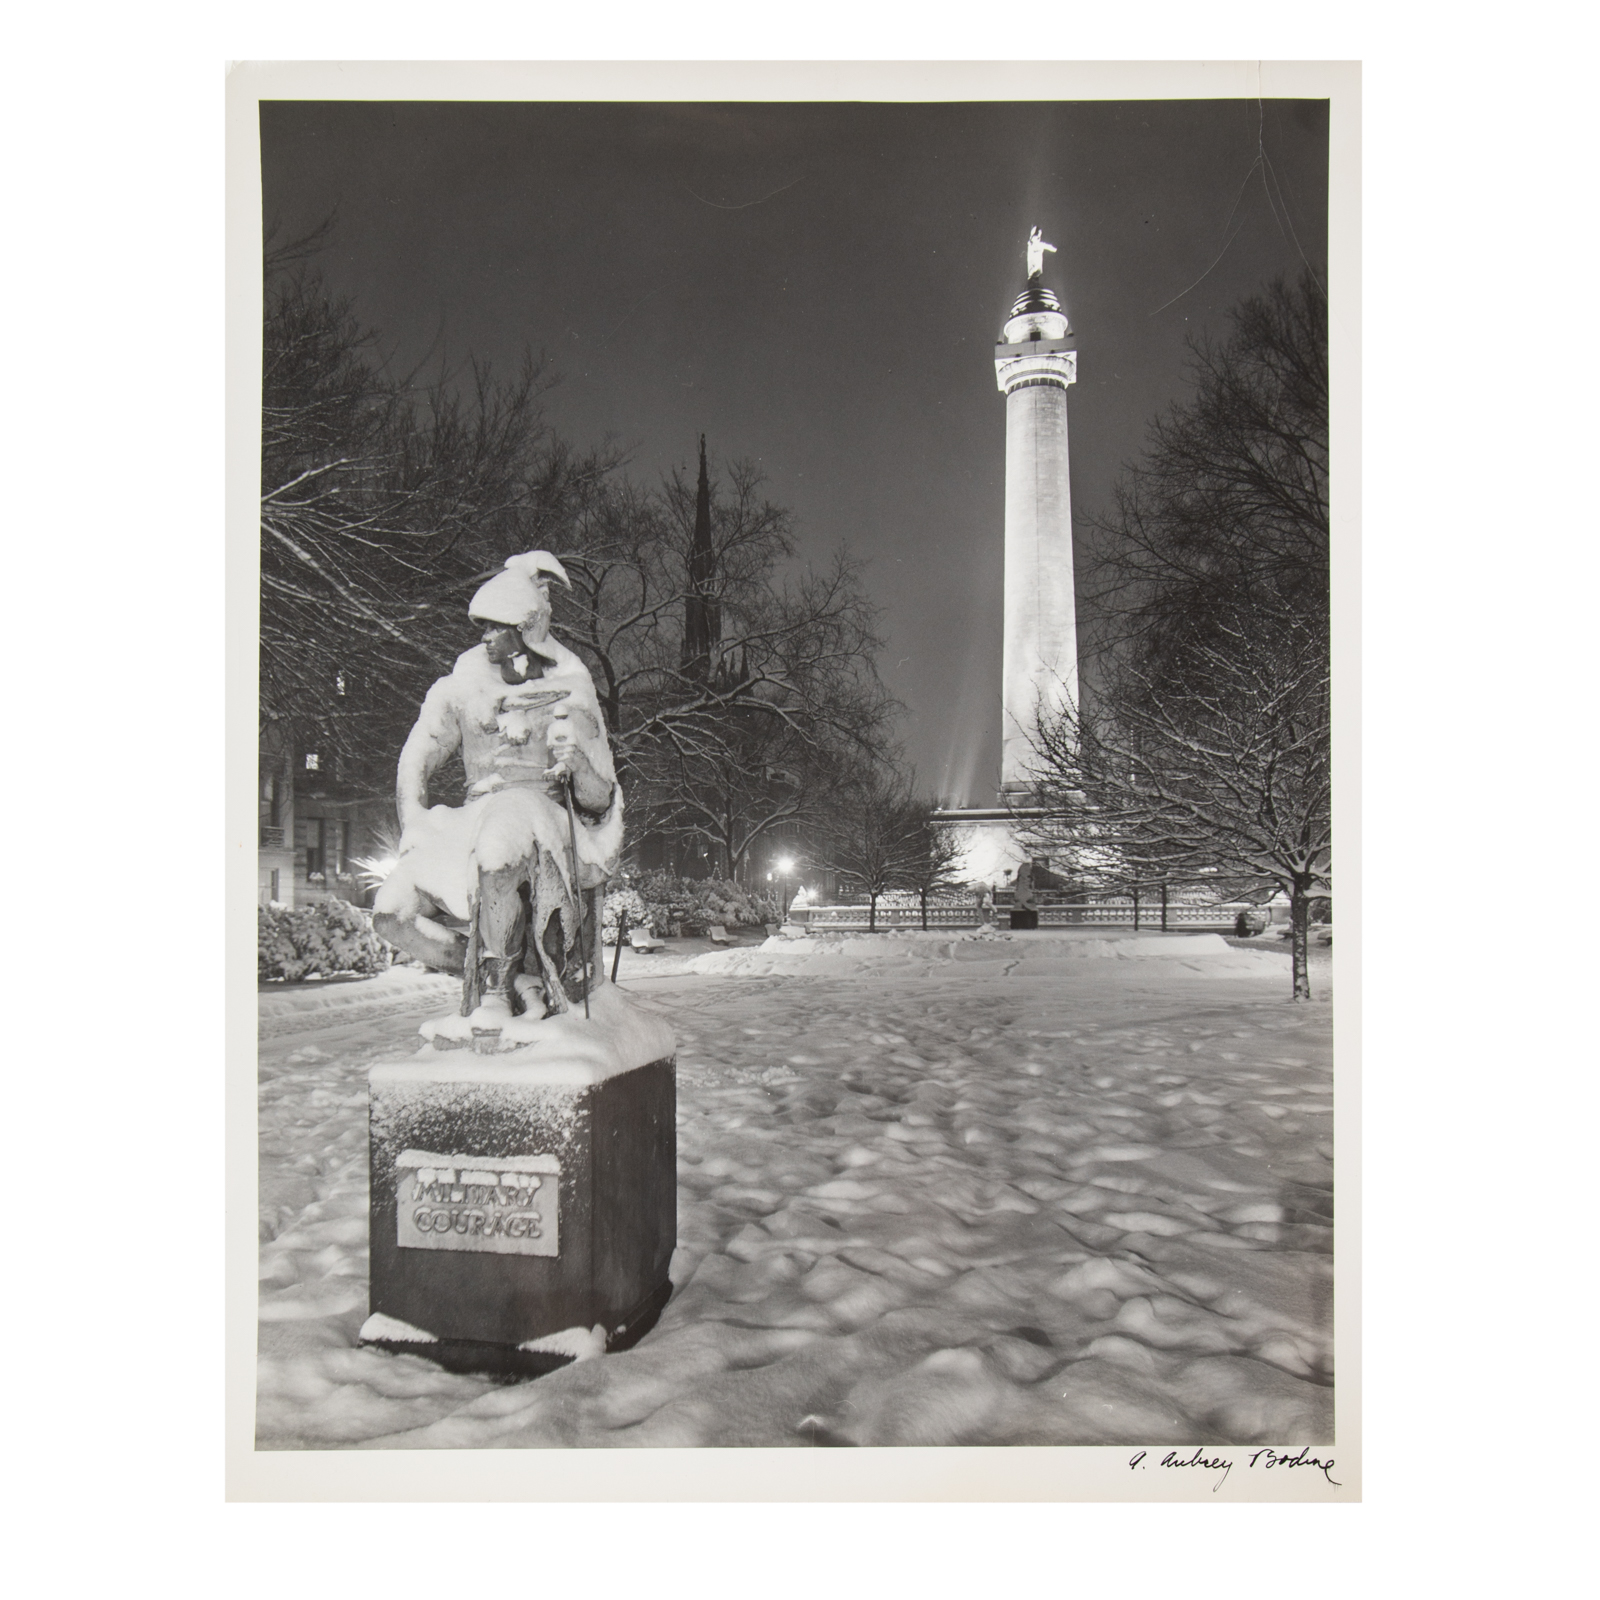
619,902
319,940
695,904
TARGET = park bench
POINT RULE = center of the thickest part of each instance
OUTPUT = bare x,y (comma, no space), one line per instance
642,941
718,934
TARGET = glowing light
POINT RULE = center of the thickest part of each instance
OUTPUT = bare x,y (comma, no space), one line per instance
373,869
784,863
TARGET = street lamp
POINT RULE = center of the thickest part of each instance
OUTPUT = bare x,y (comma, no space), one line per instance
784,865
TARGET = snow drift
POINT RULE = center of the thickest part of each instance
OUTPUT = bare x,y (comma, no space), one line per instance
1044,953
929,1203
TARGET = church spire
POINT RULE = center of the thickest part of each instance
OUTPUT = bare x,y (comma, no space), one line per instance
702,613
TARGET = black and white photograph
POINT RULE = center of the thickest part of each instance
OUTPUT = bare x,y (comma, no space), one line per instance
796,777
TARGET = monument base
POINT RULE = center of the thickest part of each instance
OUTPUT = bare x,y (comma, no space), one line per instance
991,841
523,1206
1023,917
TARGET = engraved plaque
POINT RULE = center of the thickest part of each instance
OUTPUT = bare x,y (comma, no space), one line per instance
506,1205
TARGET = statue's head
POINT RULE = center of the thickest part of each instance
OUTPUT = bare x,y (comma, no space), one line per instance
514,606
519,596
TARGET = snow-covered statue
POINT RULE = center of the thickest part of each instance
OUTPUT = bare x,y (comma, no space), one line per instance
504,888
1036,250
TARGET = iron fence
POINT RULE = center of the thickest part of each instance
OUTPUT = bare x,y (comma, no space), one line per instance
1146,916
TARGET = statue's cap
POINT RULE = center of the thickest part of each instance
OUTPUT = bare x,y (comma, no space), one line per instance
520,593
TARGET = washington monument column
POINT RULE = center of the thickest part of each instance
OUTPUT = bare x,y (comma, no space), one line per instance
1033,364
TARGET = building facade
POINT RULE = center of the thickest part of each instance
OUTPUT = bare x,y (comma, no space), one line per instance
313,830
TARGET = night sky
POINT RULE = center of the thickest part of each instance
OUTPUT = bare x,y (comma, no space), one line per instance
818,287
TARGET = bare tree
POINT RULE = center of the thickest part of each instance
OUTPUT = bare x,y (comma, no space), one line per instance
753,726
732,799
1224,780
384,500
1225,517
1203,753
933,854
876,836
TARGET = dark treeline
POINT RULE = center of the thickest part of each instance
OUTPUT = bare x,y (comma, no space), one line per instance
740,686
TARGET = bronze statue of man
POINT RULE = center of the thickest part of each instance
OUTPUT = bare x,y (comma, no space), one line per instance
1036,248
542,824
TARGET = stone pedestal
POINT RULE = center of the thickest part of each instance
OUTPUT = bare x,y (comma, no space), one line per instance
524,1206
1024,917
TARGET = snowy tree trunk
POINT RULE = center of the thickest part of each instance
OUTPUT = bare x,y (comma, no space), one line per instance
286,810
872,911
924,910
1299,919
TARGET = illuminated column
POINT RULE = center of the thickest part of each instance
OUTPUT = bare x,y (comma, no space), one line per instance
1034,363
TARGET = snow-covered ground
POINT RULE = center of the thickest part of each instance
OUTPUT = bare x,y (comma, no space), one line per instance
1064,1187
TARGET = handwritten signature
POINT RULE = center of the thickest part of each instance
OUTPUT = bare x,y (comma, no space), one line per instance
1258,1460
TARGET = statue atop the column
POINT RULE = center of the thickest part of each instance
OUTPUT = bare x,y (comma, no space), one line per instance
519,868
1036,250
